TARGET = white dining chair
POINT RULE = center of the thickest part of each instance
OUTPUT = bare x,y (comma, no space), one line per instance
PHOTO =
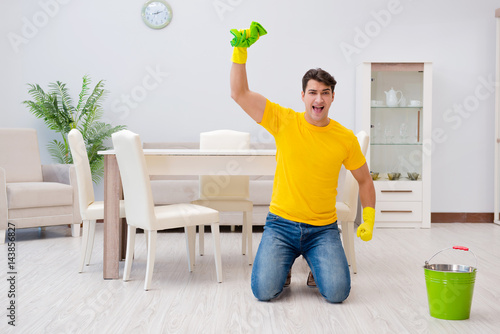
90,209
141,212
347,208
226,192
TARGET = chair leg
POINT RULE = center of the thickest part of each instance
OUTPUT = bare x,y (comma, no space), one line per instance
345,240
151,259
90,241
249,228
85,244
348,239
75,230
244,232
350,227
190,245
217,256
129,256
201,233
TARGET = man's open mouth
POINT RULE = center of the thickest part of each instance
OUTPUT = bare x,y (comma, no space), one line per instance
318,109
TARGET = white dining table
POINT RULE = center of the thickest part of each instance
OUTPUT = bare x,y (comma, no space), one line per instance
170,162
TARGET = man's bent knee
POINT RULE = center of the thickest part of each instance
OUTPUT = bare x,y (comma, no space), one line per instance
337,295
265,294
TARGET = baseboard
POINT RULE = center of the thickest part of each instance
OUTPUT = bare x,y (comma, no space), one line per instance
451,217
462,217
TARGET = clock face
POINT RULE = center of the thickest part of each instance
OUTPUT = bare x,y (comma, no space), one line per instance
156,14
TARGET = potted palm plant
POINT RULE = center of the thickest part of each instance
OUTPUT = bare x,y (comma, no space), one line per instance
59,113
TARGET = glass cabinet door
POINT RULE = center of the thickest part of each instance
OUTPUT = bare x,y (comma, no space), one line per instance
396,119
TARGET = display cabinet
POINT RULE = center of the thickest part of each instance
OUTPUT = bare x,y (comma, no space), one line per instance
394,105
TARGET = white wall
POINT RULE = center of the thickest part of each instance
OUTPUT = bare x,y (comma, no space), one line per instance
48,40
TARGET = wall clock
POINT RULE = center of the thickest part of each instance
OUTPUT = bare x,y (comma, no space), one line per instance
157,14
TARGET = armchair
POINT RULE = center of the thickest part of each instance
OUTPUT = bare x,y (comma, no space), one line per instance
32,194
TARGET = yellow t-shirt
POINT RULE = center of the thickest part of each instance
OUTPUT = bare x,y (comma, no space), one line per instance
309,159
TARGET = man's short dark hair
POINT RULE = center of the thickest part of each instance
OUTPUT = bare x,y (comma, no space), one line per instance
319,75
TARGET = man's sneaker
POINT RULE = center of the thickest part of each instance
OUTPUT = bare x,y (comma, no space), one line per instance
288,279
310,281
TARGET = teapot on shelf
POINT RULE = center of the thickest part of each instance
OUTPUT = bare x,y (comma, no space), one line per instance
391,97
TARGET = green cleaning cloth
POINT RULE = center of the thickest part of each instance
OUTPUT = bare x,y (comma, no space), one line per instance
245,38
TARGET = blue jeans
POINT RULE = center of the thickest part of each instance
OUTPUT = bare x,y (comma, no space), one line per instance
283,241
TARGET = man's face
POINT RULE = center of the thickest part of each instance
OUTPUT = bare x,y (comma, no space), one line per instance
317,99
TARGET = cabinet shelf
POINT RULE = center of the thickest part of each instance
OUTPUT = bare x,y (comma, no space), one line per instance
401,179
386,107
395,144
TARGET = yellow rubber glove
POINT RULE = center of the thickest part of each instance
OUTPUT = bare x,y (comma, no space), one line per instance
239,55
365,230
243,39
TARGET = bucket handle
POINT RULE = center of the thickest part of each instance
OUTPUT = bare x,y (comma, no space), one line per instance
462,248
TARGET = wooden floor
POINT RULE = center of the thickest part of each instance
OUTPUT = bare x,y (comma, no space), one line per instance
388,293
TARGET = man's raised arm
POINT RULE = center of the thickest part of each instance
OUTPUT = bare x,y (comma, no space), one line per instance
252,103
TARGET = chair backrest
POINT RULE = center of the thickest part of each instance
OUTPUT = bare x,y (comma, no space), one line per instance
139,205
224,185
83,173
20,155
351,189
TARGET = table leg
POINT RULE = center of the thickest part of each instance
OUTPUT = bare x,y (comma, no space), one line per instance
112,195
123,238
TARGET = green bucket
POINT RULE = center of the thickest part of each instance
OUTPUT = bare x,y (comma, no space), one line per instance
450,288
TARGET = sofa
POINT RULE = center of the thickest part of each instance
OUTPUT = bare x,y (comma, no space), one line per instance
32,194
184,189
